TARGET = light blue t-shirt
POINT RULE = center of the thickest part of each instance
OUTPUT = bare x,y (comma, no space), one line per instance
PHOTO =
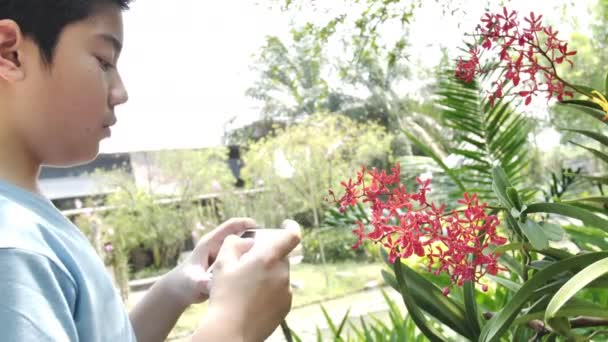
53,286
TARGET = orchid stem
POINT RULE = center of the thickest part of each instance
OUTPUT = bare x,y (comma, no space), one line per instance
286,331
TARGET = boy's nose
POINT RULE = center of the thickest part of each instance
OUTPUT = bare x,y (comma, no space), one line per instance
118,94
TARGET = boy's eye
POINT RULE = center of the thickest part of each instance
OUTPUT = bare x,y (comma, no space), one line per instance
105,66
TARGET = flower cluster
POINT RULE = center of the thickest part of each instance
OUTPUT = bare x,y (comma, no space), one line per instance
406,224
109,255
528,56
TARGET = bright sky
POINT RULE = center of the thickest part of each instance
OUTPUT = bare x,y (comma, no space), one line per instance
186,64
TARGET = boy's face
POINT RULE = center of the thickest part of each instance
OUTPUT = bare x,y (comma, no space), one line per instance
63,110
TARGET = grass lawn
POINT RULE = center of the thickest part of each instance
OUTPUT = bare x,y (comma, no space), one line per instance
344,278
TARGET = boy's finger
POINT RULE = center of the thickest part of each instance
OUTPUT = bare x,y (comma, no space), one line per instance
284,242
234,226
211,242
232,249
292,226
276,244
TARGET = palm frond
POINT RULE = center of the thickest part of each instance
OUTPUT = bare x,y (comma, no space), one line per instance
484,136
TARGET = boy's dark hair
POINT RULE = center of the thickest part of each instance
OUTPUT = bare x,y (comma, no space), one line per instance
44,20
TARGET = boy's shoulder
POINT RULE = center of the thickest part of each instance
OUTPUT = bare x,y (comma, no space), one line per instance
25,228
18,223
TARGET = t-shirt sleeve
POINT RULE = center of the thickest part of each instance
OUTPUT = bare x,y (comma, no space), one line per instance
36,299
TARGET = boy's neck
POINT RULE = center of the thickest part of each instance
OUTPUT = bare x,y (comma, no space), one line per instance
17,165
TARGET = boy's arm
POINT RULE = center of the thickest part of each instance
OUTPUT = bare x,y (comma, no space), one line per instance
36,299
157,312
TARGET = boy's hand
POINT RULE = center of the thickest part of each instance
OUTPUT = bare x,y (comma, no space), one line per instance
251,293
189,282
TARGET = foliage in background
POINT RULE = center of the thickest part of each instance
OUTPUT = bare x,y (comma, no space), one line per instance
296,164
337,245
195,172
591,52
157,210
292,81
304,74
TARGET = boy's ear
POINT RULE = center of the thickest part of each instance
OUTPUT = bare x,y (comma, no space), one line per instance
10,41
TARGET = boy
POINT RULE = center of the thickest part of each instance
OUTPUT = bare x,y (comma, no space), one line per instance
58,89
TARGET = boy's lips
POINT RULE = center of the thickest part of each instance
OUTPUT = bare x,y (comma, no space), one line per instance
110,123
107,132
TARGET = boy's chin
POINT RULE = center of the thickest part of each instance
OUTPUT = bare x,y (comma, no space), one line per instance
74,159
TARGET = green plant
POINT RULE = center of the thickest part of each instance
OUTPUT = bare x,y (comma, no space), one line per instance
298,162
396,327
141,219
337,246
487,135
551,292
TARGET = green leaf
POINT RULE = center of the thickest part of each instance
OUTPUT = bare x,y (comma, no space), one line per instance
557,254
560,324
602,139
500,178
593,207
535,234
508,284
596,199
587,217
328,319
430,298
540,264
338,333
509,247
514,198
575,284
595,152
390,279
599,283
296,337
368,336
499,185
593,204
552,231
587,238
588,107
397,321
513,265
414,311
575,307
429,152
470,307
530,290
606,84
585,90
521,333
485,134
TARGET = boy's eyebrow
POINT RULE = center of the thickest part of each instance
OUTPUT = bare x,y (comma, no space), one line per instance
112,40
